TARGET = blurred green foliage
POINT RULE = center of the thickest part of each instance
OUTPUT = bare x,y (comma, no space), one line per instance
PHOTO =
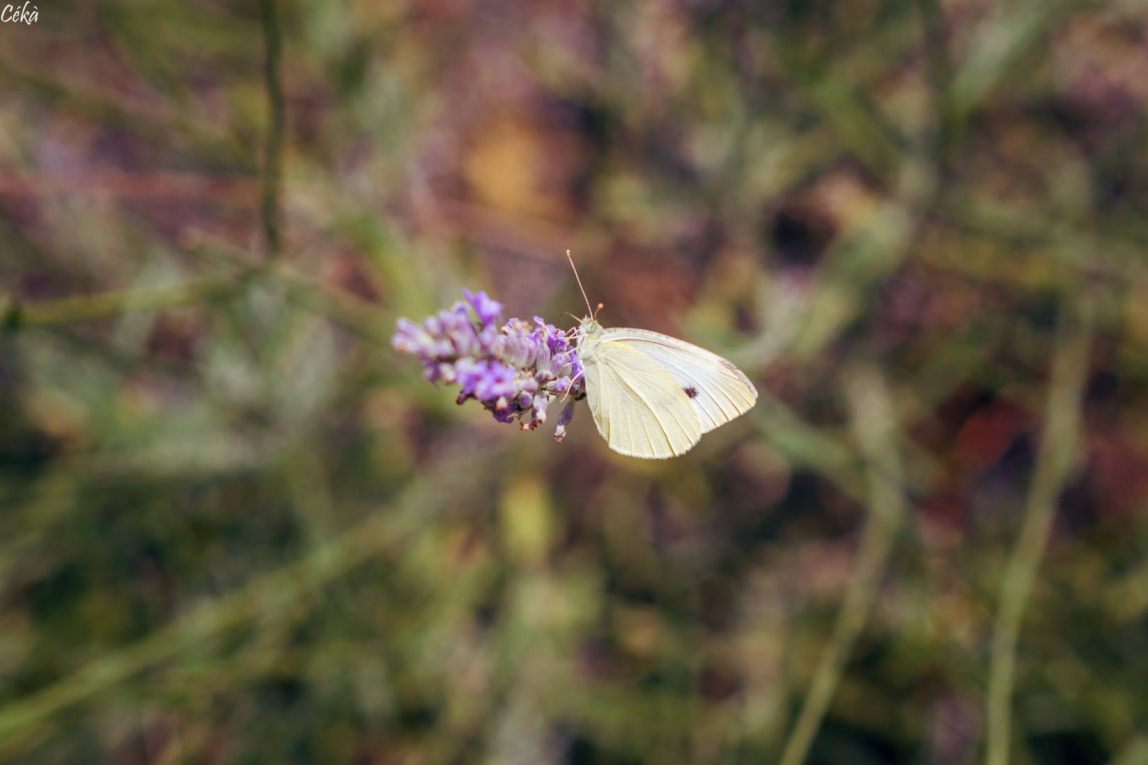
236,527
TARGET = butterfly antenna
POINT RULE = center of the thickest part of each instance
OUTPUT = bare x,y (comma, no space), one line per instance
578,279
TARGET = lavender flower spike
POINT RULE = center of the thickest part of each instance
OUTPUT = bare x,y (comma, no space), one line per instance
514,369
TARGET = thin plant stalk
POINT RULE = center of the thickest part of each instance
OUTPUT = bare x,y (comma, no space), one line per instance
273,145
874,426
87,307
1058,443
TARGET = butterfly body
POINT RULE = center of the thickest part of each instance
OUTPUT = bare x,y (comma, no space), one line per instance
652,395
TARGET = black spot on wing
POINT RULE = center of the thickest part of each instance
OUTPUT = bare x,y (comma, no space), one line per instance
691,391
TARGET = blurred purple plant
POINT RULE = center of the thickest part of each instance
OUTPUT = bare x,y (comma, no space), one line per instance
514,369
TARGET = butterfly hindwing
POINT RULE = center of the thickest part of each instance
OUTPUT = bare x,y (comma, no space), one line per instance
718,390
638,406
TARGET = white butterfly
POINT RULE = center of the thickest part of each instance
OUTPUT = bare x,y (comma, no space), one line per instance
652,395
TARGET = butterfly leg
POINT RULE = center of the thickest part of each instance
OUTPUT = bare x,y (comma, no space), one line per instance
573,380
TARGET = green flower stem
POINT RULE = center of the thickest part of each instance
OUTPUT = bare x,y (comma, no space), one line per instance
14,315
875,428
371,321
273,145
1057,446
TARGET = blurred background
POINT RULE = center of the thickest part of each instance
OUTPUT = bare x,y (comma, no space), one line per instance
237,527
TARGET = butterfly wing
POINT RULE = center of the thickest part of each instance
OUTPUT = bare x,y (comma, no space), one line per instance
638,407
718,390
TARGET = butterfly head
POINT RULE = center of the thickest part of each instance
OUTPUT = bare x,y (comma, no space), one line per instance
588,328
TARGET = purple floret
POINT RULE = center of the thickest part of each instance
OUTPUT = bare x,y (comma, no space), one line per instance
514,369
489,311
486,379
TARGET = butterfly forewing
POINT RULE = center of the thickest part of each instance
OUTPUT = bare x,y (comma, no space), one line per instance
638,406
716,389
